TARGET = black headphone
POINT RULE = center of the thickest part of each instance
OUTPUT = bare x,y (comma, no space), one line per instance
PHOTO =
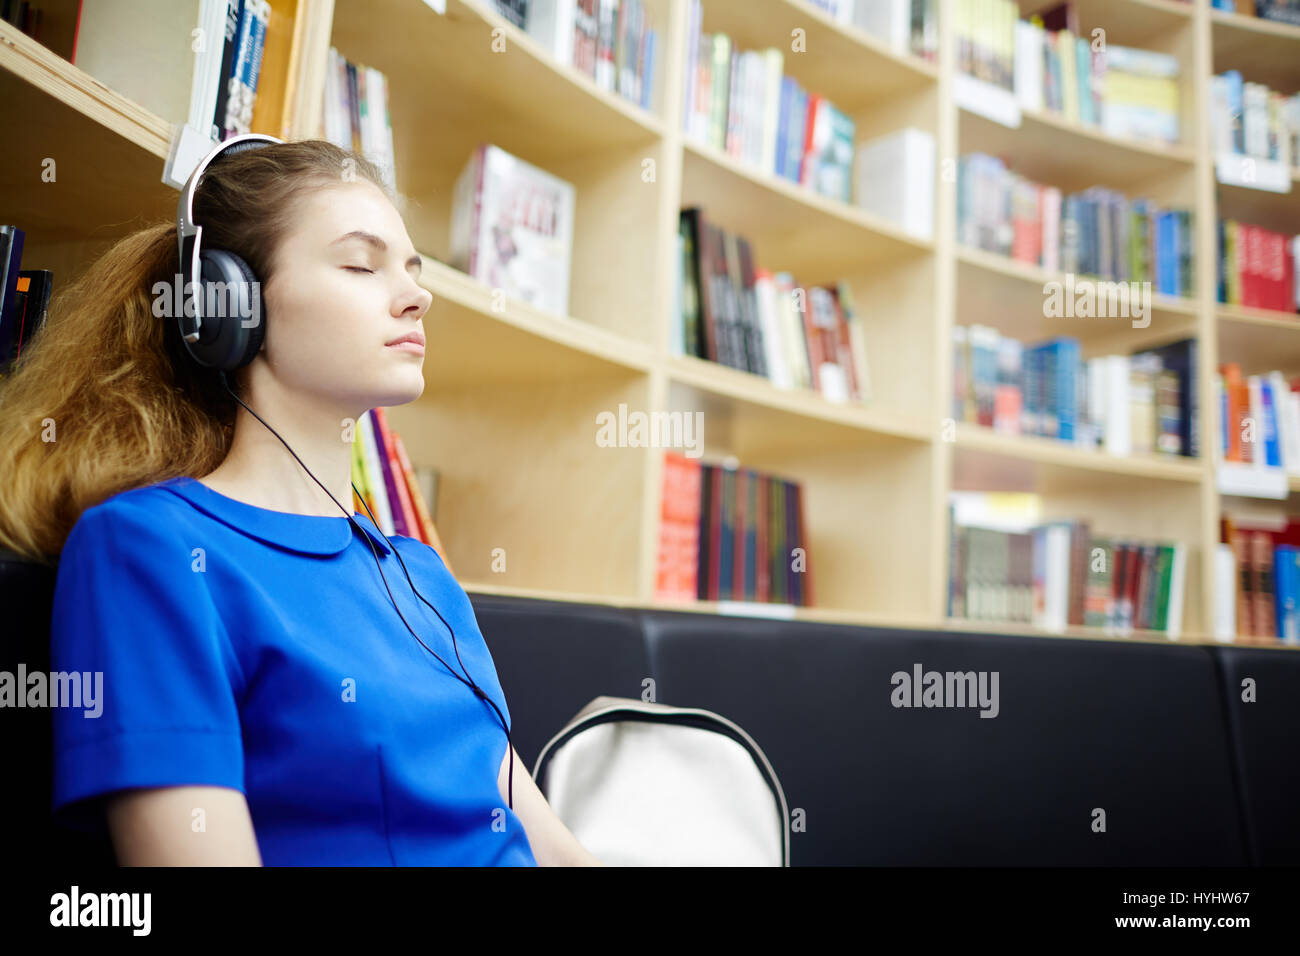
225,342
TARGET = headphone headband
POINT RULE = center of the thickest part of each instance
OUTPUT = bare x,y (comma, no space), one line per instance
189,235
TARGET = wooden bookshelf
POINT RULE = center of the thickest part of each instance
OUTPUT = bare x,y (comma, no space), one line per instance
512,394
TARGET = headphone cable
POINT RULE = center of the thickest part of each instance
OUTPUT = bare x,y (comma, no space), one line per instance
478,692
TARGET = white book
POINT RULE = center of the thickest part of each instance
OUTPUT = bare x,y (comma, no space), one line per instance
1225,594
774,62
551,23
1257,417
1057,583
1118,439
773,346
512,228
888,20
1288,429
1029,65
894,179
378,489
796,347
1050,206
1097,372
1177,592
694,14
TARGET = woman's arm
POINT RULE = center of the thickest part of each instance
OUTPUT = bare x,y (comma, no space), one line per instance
552,843
158,826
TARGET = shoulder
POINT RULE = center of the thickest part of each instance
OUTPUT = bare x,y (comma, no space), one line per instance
135,519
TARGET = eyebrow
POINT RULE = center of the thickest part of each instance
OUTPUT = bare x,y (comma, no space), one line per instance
372,239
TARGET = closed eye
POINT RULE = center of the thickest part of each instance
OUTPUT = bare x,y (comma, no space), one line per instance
358,269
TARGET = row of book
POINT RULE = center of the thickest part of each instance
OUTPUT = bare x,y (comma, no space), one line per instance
355,114
1249,119
740,102
1281,11
1098,232
401,497
1259,418
1124,91
908,26
735,313
26,17
1138,404
1256,267
512,228
1258,582
609,40
24,298
1058,574
728,533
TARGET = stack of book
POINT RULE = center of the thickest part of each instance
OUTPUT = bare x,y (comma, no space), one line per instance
908,26
1098,232
740,102
1250,120
1257,267
1058,574
737,314
1258,581
512,228
731,534
1259,418
24,298
984,31
1281,11
355,114
400,498
1138,404
609,40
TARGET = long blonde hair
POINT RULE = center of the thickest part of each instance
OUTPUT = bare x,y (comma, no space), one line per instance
106,398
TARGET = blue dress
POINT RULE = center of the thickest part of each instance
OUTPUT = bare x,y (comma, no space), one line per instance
258,650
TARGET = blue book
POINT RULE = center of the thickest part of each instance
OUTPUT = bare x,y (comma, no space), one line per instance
1272,454
782,128
1287,586
1063,367
648,79
1235,93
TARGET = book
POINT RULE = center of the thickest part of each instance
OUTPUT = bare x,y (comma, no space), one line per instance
512,228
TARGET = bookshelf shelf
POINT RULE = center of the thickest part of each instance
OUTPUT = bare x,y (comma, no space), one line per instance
468,341
880,72
106,150
1086,633
1264,50
1051,453
1259,207
1126,22
812,418
447,86
1008,295
1258,339
790,227
1049,148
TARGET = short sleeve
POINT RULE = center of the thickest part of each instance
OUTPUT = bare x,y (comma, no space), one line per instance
134,618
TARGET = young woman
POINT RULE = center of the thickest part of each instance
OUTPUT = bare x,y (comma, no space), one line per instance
263,701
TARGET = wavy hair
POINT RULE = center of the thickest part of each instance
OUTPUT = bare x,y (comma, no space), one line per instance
105,398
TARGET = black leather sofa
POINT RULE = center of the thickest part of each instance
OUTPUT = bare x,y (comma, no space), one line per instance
1156,738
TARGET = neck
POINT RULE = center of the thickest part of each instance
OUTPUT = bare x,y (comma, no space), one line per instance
259,470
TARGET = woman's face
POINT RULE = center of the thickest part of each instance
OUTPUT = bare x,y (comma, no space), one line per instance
344,286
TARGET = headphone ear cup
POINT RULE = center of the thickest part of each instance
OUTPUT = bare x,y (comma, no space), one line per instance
257,330
233,334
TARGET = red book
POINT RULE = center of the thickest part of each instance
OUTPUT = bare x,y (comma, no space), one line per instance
764,575
399,501
679,529
738,532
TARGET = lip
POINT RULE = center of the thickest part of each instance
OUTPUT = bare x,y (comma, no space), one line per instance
410,342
